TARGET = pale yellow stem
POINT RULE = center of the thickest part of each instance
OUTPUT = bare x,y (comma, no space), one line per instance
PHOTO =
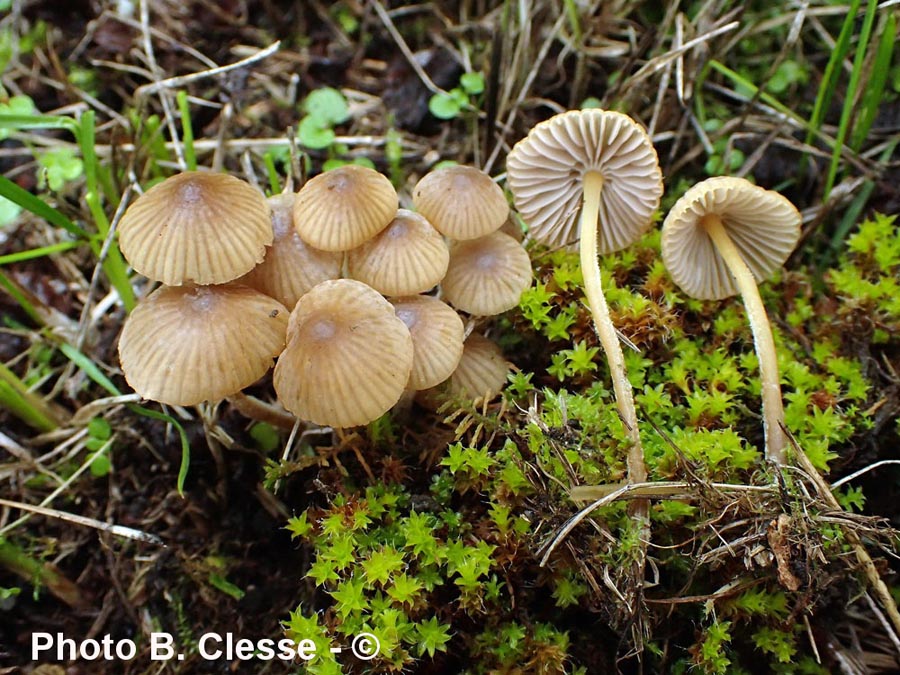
255,409
772,406
590,269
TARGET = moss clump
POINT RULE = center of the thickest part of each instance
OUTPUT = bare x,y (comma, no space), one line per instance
461,562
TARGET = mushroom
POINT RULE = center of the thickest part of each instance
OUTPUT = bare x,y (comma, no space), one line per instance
479,377
462,202
183,345
291,267
409,256
487,276
482,370
721,238
196,227
602,165
340,209
348,357
437,335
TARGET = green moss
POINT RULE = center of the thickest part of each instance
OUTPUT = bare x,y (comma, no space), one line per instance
462,575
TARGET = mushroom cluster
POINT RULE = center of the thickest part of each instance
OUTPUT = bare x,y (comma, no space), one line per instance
200,336
350,268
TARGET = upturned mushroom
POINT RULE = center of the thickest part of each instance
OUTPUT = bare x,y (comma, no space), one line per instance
196,227
183,345
348,356
721,238
591,175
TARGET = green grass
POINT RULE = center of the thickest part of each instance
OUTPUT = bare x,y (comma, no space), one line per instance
84,132
857,82
18,399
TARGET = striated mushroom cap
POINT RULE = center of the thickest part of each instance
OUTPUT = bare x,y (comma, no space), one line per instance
462,202
544,173
291,266
183,345
340,209
196,227
437,334
409,256
763,225
480,375
482,370
348,356
487,276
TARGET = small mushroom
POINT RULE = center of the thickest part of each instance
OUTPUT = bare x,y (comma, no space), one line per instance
409,256
348,357
487,276
183,345
196,227
340,209
462,202
437,334
721,238
601,165
482,370
479,376
291,266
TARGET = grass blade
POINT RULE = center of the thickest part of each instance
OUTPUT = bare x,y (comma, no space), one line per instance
272,173
24,404
17,122
832,71
89,367
21,298
853,212
41,574
38,207
851,96
187,131
766,98
33,253
874,90
93,372
114,265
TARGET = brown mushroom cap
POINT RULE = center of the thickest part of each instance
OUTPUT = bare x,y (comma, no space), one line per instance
340,209
487,276
762,224
348,356
437,334
186,344
291,266
462,202
480,375
544,173
409,256
196,227
482,370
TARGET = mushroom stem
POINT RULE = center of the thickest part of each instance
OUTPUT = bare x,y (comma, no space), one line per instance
590,269
255,409
773,409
